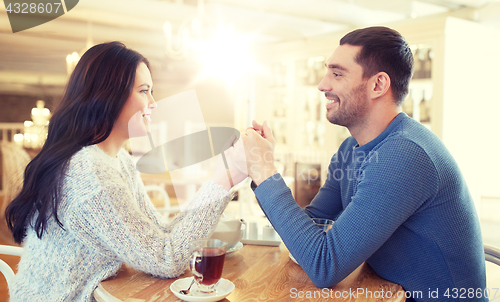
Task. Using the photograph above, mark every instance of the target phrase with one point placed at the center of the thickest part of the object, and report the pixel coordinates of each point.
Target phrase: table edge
(102, 295)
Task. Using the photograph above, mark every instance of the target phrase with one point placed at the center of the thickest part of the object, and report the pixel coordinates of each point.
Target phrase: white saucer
(224, 288)
(291, 257)
(234, 248)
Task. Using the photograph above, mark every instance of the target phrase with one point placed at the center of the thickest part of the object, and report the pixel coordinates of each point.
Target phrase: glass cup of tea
(323, 223)
(207, 262)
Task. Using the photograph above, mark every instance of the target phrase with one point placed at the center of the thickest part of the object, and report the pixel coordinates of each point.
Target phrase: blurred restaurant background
(263, 60)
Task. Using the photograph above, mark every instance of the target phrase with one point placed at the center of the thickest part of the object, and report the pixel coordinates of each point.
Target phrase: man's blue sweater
(399, 203)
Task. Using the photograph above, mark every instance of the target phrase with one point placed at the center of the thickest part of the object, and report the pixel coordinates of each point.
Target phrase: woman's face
(137, 110)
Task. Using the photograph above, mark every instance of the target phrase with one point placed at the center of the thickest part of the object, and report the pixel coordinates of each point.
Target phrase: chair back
(5, 269)
(14, 160)
(492, 254)
(154, 191)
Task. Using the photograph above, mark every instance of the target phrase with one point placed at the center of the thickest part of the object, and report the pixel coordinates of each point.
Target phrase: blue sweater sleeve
(388, 192)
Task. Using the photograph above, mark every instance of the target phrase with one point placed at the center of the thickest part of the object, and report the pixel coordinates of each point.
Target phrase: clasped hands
(250, 156)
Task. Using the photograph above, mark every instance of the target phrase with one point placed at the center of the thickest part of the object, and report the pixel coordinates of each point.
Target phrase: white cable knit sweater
(109, 220)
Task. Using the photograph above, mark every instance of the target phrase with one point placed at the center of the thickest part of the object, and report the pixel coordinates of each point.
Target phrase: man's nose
(324, 85)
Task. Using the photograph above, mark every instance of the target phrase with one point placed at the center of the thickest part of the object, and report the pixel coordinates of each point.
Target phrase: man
(396, 194)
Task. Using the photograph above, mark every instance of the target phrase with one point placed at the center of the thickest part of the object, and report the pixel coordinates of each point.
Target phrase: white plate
(234, 248)
(261, 241)
(224, 288)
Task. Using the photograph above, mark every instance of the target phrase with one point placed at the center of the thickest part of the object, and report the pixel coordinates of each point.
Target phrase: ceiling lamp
(73, 58)
(194, 29)
(421, 9)
(35, 131)
(71, 61)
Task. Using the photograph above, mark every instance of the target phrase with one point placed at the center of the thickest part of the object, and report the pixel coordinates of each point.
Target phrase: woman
(83, 210)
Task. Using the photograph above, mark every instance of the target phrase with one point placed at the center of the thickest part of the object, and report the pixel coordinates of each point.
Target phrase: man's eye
(336, 74)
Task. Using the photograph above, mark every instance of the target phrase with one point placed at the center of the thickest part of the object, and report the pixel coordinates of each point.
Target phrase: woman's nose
(152, 103)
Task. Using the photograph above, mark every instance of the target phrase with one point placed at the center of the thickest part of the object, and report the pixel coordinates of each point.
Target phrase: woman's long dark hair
(96, 92)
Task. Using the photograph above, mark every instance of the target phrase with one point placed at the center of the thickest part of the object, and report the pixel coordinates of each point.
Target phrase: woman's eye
(144, 91)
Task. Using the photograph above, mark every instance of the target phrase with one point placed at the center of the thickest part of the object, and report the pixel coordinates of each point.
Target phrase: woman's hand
(231, 166)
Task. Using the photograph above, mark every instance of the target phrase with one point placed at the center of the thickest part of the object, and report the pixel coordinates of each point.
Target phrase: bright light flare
(226, 55)
(19, 137)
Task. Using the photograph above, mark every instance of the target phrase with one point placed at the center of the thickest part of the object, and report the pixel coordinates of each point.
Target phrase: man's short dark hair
(383, 49)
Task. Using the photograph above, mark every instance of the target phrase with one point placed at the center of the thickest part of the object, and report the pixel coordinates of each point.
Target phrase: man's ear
(381, 83)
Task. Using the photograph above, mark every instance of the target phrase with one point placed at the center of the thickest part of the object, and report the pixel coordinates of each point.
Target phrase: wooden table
(259, 273)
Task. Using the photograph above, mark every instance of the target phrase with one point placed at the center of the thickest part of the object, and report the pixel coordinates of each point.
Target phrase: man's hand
(259, 145)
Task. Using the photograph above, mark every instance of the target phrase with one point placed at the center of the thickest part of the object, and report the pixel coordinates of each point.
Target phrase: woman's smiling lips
(147, 116)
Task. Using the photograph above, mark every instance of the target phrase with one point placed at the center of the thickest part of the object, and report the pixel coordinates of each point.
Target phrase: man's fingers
(256, 125)
(250, 132)
(268, 133)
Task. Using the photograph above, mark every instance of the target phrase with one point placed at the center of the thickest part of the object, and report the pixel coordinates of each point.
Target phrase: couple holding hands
(83, 211)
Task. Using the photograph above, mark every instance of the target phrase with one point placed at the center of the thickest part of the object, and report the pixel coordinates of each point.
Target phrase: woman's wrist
(222, 179)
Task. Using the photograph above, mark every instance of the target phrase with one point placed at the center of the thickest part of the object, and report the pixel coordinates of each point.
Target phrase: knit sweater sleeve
(114, 224)
(390, 191)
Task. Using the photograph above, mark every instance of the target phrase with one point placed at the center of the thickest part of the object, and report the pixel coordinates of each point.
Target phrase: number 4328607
(470, 293)
(33, 8)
